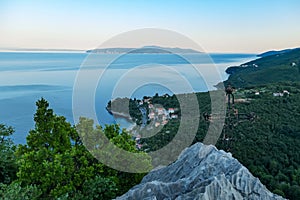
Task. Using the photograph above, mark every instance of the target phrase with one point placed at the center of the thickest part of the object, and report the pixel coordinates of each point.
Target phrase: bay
(25, 77)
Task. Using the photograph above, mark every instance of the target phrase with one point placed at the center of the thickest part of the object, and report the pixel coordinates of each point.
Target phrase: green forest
(269, 145)
(274, 68)
(54, 163)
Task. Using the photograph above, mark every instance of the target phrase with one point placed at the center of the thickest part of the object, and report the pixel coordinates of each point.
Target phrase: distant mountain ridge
(143, 50)
(272, 67)
(274, 52)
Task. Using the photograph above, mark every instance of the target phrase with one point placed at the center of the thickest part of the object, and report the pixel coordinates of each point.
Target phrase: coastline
(217, 86)
(122, 116)
(119, 114)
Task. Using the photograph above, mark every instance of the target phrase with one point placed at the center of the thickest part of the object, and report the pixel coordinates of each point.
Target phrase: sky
(246, 26)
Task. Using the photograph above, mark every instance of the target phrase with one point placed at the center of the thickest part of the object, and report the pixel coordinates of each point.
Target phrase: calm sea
(25, 77)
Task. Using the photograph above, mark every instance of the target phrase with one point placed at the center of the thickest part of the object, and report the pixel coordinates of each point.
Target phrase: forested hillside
(269, 145)
(284, 66)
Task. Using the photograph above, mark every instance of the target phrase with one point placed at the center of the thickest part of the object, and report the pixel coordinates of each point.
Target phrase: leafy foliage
(14, 191)
(56, 162)
(8, 166)
(270, 69)
(120, 139)
(96, 188)
(49, 159)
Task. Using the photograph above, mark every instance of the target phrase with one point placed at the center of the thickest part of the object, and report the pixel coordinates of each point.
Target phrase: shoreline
(119, 114)
(217, 86)
(125, 117)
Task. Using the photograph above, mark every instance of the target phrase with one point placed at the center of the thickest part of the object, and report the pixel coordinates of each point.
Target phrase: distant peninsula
(271, 67)
(143, 50)
(275, 52)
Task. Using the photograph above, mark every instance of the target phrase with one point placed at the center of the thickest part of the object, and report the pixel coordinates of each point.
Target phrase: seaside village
(158, 116)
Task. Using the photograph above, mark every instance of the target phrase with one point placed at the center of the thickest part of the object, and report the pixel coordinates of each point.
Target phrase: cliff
(201, 172)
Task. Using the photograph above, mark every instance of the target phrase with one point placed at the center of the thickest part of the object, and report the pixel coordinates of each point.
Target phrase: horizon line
(54, 50)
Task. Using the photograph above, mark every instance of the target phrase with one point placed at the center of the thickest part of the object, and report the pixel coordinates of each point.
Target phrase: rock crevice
(201, 172)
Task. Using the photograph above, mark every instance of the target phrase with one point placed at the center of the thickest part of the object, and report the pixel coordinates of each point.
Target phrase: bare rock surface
(201, 172)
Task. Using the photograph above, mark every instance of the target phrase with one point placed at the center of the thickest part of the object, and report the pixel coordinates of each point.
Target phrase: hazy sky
(217, 26)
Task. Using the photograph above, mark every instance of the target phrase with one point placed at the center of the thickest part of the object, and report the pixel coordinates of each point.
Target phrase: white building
(278, 94)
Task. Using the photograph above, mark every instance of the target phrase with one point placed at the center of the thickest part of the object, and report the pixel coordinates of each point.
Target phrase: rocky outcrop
(201, 172)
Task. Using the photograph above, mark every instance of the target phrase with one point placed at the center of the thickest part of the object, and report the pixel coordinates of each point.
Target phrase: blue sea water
(25, 77)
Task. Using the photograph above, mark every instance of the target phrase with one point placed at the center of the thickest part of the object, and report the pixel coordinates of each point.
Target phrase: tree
(8, 166)
(294, 192)
(54, 158)
(279, 192)
(57, 162)
(93, 139)
(97, 188)
(14, 191)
